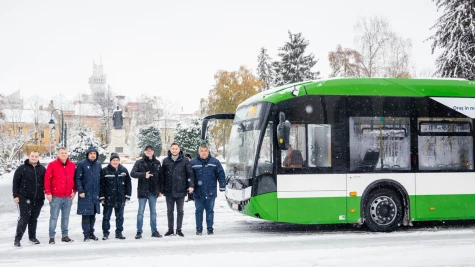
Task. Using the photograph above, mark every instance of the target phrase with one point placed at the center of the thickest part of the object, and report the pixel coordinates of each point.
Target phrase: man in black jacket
(147, 171)
(28, 194)
(176, 180)
(116, 189)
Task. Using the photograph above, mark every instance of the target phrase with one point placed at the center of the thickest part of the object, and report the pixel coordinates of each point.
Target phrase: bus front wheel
(383, 210)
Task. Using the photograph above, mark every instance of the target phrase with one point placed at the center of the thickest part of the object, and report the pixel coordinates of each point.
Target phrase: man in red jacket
(60, 192)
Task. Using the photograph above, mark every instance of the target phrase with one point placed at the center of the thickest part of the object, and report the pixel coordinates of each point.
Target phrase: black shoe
(87, 239)
(210, 232)
(67, 239)
(105, 237)
(34, 241)
(180, 233)
(139, 235)
(93, 237)
(17, 243)
(119, 236)
(156, 234)
(169, 232)
(51, 241)
(199, 232)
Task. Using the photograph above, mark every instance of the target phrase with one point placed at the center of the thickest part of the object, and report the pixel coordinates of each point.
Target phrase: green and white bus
(375, 151)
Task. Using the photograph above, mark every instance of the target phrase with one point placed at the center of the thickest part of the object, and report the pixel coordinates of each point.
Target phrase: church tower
(97, 81)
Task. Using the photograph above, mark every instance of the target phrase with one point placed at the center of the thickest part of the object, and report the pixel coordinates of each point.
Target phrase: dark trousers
(29, 212)
(201, 204)
(88, 222)
(180, 202)
(119, 219)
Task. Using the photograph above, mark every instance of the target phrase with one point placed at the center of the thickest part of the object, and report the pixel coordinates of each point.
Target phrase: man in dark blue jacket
(28, 194)
(116, 190)
(88, 182)
(208, 171)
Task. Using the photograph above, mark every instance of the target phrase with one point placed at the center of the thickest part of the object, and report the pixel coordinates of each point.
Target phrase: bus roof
(370, 87)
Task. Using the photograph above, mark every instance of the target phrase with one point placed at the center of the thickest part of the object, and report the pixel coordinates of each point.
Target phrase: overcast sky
(174, 48)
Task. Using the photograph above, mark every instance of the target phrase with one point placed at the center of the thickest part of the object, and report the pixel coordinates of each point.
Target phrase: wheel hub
(383, 210)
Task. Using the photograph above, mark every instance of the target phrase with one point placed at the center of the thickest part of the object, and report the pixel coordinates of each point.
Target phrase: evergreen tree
(265, 72)
(82, 140)
(294, 66)
(150, 136)
(188, 136)
(455, 36)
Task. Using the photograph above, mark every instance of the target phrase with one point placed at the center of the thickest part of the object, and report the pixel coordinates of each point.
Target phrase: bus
(376, 151)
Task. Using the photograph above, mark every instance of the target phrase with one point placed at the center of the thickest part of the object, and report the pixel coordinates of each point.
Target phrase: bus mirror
(283, 132)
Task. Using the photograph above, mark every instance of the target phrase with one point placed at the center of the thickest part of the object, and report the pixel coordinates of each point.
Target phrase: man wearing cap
(88, 177)
(147, 171)
(115, 191)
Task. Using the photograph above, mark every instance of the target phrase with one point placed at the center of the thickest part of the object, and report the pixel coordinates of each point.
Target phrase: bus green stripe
(328, 210)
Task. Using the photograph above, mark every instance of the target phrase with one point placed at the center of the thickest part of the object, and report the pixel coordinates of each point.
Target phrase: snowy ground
(238, 241)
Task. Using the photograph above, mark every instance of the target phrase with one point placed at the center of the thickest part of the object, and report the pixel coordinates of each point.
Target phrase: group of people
(175, 178)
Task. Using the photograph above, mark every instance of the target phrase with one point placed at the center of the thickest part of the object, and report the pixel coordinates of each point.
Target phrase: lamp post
(62, 138)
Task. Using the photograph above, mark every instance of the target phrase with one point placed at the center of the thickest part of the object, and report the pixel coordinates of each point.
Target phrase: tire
(383, 210)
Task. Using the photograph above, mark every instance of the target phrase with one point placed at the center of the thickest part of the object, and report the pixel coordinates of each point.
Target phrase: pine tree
(82, 140)
(188, 136)
(455, 36)
(150, 136)
(265, 72)
(294, 66)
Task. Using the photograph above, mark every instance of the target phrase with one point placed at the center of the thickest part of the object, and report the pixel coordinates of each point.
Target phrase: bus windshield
(243, 142)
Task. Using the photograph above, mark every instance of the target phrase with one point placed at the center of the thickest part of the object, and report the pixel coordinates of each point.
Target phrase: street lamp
(62, 136)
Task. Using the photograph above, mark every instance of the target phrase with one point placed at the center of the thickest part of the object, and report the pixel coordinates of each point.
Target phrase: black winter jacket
(176, 176)
(28, 181)
(150, 185)
(116, 186)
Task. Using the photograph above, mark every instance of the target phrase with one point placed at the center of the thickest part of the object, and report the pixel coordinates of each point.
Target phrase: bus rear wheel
(383, 210)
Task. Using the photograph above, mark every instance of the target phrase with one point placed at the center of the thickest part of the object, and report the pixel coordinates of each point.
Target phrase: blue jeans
(119, 219)
(152, 204)
(201, 204)
(62, 204)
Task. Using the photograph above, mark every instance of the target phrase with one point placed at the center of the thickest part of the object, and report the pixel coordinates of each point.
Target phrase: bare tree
(167, 112)
(379, 52)
(107, 103)
(397, 57)
(147, 110)
(15, 132)
(345, 62)
(373, 34)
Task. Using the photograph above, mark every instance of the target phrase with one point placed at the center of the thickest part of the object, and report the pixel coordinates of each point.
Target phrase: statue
(118, 119)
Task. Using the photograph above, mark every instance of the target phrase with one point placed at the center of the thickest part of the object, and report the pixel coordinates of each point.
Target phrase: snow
(238, 241)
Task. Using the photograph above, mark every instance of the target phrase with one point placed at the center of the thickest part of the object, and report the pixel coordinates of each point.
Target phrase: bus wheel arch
(382, 193)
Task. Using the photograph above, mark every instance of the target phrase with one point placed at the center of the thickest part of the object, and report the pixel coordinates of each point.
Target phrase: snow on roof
(26, 115)
(87, 109)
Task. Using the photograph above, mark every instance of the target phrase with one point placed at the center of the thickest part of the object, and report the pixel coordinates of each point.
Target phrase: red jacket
(59, 178)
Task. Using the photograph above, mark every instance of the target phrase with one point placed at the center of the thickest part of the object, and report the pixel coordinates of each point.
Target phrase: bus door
(307, 191)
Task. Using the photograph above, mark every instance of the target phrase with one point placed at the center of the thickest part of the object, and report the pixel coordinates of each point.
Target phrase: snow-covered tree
(188, 136)
(455, 36)
(81, 141)
(294, 66)
(149, 136)
(265, 73)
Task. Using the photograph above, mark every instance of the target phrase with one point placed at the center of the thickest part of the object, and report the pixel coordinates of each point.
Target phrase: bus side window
(295, 156)
(445, 144)
(319, 145)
